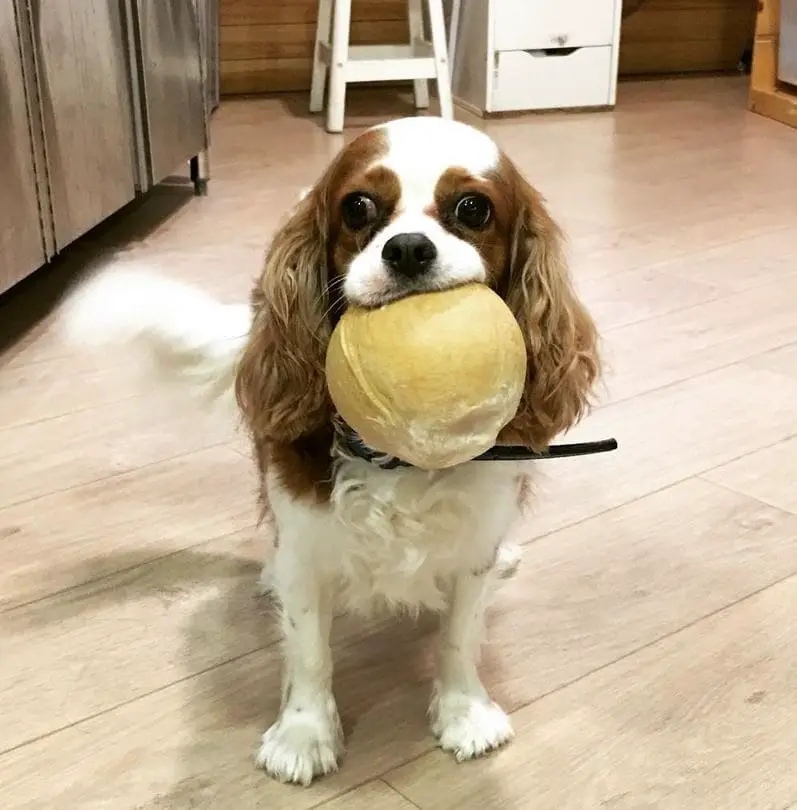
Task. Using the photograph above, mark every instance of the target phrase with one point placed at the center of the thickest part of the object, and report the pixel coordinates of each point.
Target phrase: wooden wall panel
(243, 42)
(683, 36)
(267, 45)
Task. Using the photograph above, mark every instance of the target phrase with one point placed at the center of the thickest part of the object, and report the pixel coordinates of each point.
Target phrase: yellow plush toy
(430, 379)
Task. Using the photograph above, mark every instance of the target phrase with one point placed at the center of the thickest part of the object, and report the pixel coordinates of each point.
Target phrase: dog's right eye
(473, 211)
(358, 210)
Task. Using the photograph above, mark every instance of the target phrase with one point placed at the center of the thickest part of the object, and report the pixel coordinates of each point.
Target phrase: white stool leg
(453, 33)
(337, 70)
(438, 25)
(415, 11)
(322, 29)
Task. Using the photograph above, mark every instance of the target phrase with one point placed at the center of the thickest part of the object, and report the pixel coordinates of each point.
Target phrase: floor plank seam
(111, 476)
(722, 296)
(658, 640)
(729, 488)
(737, 361)
(342, 795)
(401, 793)
(742, 361)
(763, 447)
(158, 558)
(149, 693)
(656, 491)
(43, 419)
(657, 265)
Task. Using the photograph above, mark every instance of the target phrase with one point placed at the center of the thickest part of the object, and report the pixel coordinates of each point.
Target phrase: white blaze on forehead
(420, 150)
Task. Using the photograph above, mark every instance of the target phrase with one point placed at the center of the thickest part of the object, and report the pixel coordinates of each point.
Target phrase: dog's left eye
(358, 210)
(473, 211)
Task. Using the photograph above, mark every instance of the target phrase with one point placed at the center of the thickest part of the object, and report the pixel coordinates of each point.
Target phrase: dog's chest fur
(395, 538)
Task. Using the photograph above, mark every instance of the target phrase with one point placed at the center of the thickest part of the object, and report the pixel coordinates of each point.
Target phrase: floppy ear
(561, 339)
(280, 384)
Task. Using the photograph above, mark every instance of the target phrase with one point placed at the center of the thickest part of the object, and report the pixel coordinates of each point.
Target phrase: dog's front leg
(306, 741)
(464, 719)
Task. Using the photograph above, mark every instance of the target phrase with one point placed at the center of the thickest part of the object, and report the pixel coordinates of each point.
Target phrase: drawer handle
(540, 52)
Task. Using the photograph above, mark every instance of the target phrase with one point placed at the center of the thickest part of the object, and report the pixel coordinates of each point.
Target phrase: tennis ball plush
(430, 379)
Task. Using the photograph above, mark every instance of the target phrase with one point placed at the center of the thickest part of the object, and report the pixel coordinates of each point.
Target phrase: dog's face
(418, 204)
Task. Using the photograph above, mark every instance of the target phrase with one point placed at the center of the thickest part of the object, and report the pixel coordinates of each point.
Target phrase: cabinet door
(83, 62)
(211, 24)
(787, 51)
(21, 240)
(171, 69)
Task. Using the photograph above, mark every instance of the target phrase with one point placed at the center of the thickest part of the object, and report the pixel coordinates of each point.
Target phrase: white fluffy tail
(182, 336)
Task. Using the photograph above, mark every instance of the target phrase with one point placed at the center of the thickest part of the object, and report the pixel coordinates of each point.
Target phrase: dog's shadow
(207, 722)
(383, 676)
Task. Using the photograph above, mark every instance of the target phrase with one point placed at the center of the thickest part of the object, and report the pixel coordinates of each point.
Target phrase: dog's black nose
(409, 254)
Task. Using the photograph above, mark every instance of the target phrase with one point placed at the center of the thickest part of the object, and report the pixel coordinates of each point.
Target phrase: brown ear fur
(280, 384)
(561, 338)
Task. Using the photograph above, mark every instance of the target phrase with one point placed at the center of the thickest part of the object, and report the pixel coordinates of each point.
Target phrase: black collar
(349, 444)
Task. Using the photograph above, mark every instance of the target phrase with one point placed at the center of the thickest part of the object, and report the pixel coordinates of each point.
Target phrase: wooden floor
(648, 647)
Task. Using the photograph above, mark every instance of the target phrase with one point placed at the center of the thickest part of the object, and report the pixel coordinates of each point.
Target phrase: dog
(410, 206)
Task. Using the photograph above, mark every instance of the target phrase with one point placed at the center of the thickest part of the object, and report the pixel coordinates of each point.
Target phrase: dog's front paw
(468, 725)
(303, 744)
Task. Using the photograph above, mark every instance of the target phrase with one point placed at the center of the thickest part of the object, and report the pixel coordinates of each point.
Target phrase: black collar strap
(350, 445)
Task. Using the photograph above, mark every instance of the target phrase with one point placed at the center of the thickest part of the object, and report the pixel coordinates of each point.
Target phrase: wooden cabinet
(768, 96)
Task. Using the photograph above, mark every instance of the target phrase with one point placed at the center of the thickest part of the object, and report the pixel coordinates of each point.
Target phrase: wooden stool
(420, 61)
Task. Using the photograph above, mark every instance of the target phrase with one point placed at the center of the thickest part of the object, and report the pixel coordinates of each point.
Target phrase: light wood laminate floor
(647, 649)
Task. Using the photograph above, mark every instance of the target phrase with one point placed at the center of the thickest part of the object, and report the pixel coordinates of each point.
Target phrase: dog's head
(415, 205)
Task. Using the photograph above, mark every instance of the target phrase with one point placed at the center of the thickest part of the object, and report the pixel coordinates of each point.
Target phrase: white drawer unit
(526, 55)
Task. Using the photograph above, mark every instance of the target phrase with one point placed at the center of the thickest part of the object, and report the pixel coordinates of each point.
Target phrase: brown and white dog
(416, 204)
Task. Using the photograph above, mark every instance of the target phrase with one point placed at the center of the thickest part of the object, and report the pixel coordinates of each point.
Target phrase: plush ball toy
(430, 379)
